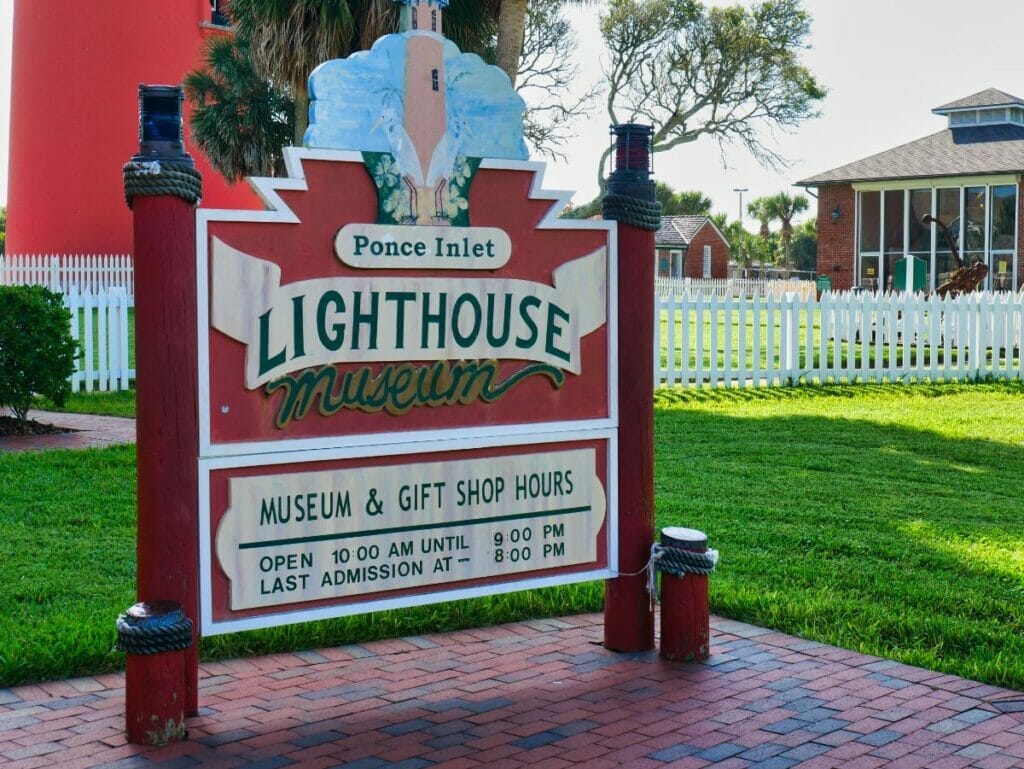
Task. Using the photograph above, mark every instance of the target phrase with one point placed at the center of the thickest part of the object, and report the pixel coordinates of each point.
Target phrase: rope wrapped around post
(161, 178)
(642, 214)
(155, 633)
(679, 562)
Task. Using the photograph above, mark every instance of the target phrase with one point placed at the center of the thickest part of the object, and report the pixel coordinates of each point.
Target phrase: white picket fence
(737, 287)
(99, 323)
(61, 272)
(844, 337)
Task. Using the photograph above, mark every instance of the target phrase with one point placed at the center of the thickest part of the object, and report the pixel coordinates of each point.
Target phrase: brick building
(967, 175)
(690, 247)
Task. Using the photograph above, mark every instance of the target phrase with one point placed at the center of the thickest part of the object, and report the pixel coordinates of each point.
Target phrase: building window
(435, 82)
(415, 18)
(869, 234)
(973, 249)
(947, 208)
(892, 232)
(982, 226)
(218, 13)
(919, 234)
(433, 20)
(1003, 228)
(707, 261)
(670, 264)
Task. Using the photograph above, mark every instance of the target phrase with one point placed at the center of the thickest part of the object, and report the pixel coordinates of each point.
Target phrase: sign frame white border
(436, 593)
(218, 456)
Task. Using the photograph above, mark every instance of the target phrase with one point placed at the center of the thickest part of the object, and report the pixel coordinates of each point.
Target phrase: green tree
(726, 72)
(759, 209)
(239, 121)
(804, 246)
(287, 39)
(784, 207)
(745, 248)
(687, 202)
(587, 210)
(3, 230)
(513, 20)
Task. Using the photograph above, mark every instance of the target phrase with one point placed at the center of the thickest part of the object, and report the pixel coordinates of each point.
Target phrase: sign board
(912, 267)
(406, 376)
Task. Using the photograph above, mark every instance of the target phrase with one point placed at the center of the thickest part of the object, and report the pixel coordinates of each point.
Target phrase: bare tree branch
(733, 73)
(546, 77)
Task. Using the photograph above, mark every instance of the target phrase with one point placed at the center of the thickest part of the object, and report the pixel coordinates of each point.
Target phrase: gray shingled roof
(678, 231)
(990, 97)
(967, 151)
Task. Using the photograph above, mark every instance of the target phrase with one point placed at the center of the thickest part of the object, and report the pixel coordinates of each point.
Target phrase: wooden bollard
(149, 633)
(685, 614)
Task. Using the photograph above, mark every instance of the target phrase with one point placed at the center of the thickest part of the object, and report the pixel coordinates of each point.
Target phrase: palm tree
(784, 207)
(692, 202)
(511, 28)
(288, 38)
(239, 122)
(758, 208)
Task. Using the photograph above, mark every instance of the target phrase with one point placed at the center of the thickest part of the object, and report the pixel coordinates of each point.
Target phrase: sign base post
(628, 607)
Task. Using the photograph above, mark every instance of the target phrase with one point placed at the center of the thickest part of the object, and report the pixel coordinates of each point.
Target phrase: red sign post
(630, 200)
(160, 632)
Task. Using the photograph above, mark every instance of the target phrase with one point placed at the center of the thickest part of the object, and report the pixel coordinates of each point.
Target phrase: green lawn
(876, 518)
(885, 519)
(112, 404)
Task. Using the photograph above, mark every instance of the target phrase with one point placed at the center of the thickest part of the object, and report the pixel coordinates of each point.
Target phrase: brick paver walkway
(540, 694)
(90, 432)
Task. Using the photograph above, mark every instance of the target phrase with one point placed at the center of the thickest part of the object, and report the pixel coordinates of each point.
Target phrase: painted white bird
(399, 142)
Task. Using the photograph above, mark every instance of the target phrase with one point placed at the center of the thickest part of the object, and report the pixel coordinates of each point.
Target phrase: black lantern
(634, 161)
(160, 124)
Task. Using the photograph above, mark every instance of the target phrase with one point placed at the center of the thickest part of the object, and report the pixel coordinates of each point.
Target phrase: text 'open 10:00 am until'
(351, 532)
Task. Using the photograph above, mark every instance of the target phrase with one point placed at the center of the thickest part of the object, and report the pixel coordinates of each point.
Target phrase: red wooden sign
(392, 413)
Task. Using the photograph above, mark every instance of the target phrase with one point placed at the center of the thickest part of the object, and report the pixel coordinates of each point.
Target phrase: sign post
(630, 200)
(162, 188)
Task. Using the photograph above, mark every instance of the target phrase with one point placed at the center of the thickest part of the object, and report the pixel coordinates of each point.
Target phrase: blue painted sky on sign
(356, 103)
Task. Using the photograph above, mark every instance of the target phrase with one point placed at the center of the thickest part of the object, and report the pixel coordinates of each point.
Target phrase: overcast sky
(886, 64)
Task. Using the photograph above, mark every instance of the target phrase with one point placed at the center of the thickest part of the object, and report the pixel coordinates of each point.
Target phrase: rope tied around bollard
(676, 562)
(679, 562)
(161, 177)
(143, 631)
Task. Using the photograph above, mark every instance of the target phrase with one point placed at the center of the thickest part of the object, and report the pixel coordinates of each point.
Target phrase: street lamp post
(740, 190)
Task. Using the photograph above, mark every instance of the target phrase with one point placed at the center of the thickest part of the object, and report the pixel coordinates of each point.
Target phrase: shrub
(37, 353)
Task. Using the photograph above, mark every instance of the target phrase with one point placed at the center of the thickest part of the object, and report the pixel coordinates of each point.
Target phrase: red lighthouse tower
(74, 115)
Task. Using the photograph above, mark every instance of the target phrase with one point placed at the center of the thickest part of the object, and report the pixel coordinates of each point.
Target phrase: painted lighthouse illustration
(422, 113)
(425, 115)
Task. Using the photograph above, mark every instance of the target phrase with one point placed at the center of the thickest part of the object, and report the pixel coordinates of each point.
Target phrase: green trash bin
(823, 283)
